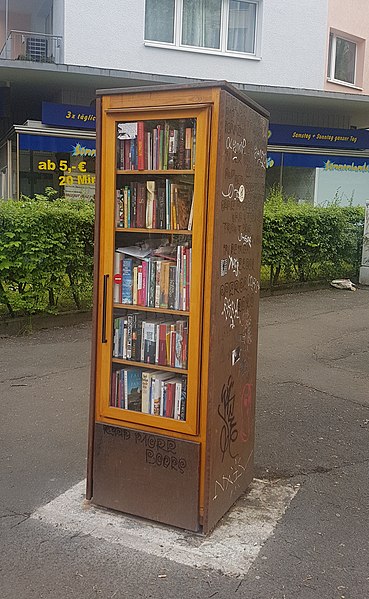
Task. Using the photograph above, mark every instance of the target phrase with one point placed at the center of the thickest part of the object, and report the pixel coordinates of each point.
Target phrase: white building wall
(293, 44)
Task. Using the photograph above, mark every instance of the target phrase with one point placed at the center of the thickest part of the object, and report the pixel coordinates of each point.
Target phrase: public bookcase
(181, 175)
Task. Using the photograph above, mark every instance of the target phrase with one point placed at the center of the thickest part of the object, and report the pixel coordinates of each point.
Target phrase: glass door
(152, 238)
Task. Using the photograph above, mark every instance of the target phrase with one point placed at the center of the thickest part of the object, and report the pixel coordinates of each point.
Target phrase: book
(129, 336)
(170, 394)
(194, 145)
(113, 392)
(172, 287)
(151, 283)
(141, 205)
(172, 148)
(181, 143)
(157, 283)
(184, 200)
(135, 285)
(144, 289)
(140, 146)
(132, 155)
(188, 147)
(148, 344)
(162, 344)
(173, 206)
(183, 402)
(178, 356)
(150, 204)
(123, 330)
(161, 207)
(136, 336)
(132, 389)
(177, 399)
(119, 209)
(157, 392)
(133, 196)
(146, 391)
(127, 281)
(166, 146)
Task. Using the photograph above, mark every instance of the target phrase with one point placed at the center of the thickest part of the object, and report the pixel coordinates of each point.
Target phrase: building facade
(306, 62)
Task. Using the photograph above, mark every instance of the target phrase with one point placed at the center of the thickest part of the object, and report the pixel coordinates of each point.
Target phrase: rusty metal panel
(239, 196)
(148, 475)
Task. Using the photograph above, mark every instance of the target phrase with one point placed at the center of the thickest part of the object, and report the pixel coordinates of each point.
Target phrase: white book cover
(125, 326)
(156, 398)
(157, 344)
(177, 401)
(146, 388)
(143, 341)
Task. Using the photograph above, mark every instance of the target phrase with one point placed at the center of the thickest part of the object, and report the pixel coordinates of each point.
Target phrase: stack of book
(159, 204)
(164, 145)
(157, 393)
(155, 281)
(162, 342)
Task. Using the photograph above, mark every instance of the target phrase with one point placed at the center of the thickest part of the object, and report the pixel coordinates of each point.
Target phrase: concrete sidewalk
(312, 431)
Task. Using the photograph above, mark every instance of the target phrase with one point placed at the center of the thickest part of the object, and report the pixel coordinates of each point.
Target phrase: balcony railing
(36, 47)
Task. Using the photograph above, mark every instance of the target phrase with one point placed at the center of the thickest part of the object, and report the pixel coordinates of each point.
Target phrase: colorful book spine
(188, 148)
(140, 146)
(127, 281)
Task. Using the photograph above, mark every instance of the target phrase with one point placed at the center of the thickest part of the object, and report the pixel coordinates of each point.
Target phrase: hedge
(46, 249)
(302, 242)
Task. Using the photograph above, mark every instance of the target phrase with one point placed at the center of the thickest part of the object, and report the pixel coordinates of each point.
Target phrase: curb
(25, 325)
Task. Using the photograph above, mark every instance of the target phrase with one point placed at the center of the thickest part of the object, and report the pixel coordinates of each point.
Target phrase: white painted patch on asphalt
(231, 548)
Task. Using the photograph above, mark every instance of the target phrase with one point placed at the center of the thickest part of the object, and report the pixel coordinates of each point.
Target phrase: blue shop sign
(318, 137)
(70, 145)
(68, 115)
(324, 161)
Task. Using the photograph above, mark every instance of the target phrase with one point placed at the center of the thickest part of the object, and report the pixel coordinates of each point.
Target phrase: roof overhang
(294, 103)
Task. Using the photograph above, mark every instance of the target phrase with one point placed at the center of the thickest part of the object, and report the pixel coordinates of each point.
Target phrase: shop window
(222, 26)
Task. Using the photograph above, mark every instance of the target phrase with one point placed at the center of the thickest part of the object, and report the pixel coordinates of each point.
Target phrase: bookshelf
(178, 239)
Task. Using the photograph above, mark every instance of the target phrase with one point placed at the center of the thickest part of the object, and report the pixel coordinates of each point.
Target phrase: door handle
(105, 293)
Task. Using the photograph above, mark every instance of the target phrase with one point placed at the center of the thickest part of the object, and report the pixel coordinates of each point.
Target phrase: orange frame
(105, 412)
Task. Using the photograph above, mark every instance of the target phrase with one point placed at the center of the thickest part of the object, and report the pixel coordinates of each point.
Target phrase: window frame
(224, 22)
(332, 58)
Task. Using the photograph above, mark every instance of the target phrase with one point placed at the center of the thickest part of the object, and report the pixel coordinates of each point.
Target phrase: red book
(172, 346)
(162, 358)
(185, 344)
(154, 214)
(140, 146)
(158, 128)
(144, 283)
(188, 277)
(169, 407)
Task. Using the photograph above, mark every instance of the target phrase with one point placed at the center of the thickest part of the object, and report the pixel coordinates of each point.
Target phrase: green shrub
(304, 242)
(44, 248)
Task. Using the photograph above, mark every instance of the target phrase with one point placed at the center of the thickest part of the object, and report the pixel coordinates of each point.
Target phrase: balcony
(34, 47)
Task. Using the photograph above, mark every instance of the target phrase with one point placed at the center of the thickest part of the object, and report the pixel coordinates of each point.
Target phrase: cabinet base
(148, 475)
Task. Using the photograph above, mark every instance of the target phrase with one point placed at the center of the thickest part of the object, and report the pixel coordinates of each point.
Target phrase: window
(227, 26)
(159, 20)
(342, 59)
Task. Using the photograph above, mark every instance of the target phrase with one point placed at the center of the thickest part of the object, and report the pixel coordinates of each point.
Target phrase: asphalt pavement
(312, 431)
